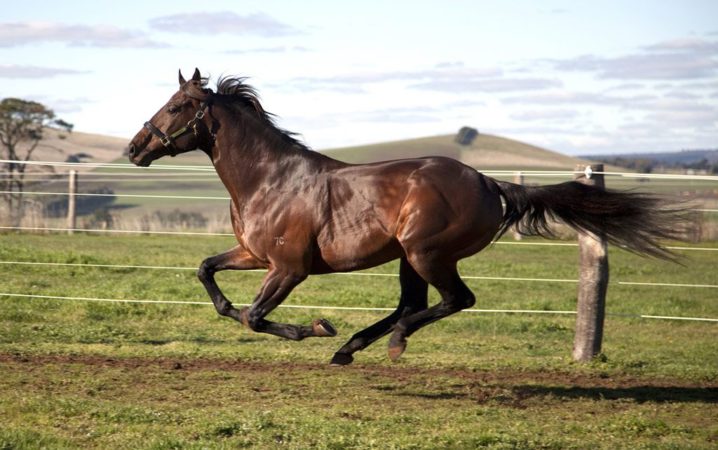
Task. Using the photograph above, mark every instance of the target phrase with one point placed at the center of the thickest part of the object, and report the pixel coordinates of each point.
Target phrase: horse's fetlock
(469, 300)
(253, 321)
(224, 308)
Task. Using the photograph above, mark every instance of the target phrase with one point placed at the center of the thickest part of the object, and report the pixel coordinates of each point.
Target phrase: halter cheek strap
(168, 140)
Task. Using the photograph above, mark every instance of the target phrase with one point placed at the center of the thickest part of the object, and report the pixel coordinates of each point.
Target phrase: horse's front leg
(235, 259)
(276, 287)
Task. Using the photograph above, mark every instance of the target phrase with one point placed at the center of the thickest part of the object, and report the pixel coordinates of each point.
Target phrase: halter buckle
(165, 141)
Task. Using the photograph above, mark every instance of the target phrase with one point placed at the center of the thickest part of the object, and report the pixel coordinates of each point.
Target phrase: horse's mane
(238, 94)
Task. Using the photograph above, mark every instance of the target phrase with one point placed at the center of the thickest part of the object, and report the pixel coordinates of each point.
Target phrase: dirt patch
(563, 384)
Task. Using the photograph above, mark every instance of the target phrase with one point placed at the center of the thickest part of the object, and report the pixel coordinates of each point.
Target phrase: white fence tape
(349, 308)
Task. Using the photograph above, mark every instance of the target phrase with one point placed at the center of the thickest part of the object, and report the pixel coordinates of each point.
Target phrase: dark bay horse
(296, 212)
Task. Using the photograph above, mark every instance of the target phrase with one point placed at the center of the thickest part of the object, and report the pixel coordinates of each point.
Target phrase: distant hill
(682, 157)
(704, 160)
(484, 153)
(78, 147)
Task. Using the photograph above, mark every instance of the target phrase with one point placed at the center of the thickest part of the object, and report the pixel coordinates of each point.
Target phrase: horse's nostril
(132, 150)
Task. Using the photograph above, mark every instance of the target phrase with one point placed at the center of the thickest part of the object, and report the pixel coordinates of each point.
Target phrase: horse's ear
(182, 81)
(196, 76)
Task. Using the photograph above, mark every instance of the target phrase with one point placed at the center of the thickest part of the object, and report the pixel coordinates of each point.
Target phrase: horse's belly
(355, 254)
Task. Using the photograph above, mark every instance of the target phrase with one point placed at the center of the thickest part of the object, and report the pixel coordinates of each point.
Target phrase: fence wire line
(353, 308)
(201, 233)
(101, 165)
(488, 172)
(85, 230)
(59, 176)
(188, 197)
(91, 194)
(365, 274)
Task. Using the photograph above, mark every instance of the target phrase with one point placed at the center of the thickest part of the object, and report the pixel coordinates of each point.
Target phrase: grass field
(92, 374)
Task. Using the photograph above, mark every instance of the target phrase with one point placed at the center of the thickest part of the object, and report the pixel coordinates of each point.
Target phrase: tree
(22, 123)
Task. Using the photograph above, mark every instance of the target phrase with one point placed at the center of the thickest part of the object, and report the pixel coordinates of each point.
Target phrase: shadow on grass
(641, 394)
(516, 395)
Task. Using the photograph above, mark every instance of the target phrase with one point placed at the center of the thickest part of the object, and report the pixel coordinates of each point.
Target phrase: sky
(578, 77)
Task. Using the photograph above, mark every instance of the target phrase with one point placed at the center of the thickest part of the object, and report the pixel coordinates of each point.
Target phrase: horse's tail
(635, 221)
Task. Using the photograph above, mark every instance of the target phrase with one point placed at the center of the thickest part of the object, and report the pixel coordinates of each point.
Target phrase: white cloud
(452, 78)
(24, 71)
(491, 85)
(228, 22)
(680, 59)
(25, 33)
(278, 49)
(545, 114)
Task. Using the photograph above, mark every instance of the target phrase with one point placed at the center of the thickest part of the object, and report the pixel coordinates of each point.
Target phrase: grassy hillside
(59, 146)
(487, 152)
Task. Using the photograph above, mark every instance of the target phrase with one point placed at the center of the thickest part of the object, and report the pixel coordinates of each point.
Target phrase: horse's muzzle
(135, 157)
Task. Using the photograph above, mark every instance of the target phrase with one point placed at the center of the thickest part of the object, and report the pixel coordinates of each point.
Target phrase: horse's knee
(205, 271)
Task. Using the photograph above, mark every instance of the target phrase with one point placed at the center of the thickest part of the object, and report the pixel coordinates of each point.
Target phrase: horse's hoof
(396, 350)
(323, 328)
(341, 359)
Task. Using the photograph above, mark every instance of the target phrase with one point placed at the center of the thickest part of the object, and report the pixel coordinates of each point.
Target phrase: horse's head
(178, 126)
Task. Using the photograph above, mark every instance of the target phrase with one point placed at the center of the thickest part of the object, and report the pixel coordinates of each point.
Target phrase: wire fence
(352, 308)
(364, 274)
(209, 168)
(203, 173)
(202, 233)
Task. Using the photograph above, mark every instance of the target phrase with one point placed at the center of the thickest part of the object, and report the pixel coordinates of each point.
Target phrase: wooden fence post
(72, 202)
(518, 179)
(593, 280)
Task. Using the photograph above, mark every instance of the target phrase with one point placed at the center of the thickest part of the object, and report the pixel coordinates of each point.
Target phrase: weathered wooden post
(71, 202)
(593, 279)
(518, 179)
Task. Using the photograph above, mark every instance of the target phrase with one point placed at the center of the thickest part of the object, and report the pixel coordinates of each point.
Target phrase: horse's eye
(172, 109)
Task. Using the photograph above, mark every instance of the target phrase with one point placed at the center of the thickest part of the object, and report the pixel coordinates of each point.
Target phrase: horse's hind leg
(455, 296)
(414, 291)
(235, 259)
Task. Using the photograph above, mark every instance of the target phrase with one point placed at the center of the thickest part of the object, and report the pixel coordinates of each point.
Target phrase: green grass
(106, 375)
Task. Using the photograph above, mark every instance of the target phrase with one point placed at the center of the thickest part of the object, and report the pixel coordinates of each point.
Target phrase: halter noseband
(168, 140)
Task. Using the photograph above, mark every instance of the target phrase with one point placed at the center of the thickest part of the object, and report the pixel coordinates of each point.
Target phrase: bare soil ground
(477, 386)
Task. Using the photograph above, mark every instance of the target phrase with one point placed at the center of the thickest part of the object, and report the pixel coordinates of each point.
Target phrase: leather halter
(168, 140)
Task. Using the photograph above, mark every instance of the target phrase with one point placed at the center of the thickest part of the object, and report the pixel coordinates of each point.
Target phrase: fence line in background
(61, 175)
(200, 233)
(91, 194)
(177, 233)
(350, 308)
(208, 168)
(188, 197)
(365, 274)
(99, 165)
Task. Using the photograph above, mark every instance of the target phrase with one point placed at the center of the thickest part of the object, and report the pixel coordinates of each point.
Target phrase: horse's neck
(248, 159)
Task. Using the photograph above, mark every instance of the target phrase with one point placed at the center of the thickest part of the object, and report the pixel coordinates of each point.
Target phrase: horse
(296, 212)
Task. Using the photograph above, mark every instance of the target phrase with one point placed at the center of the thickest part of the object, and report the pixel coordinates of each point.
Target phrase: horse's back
(375, 212)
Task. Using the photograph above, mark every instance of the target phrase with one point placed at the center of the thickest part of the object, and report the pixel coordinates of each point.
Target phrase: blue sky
(578, 77)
